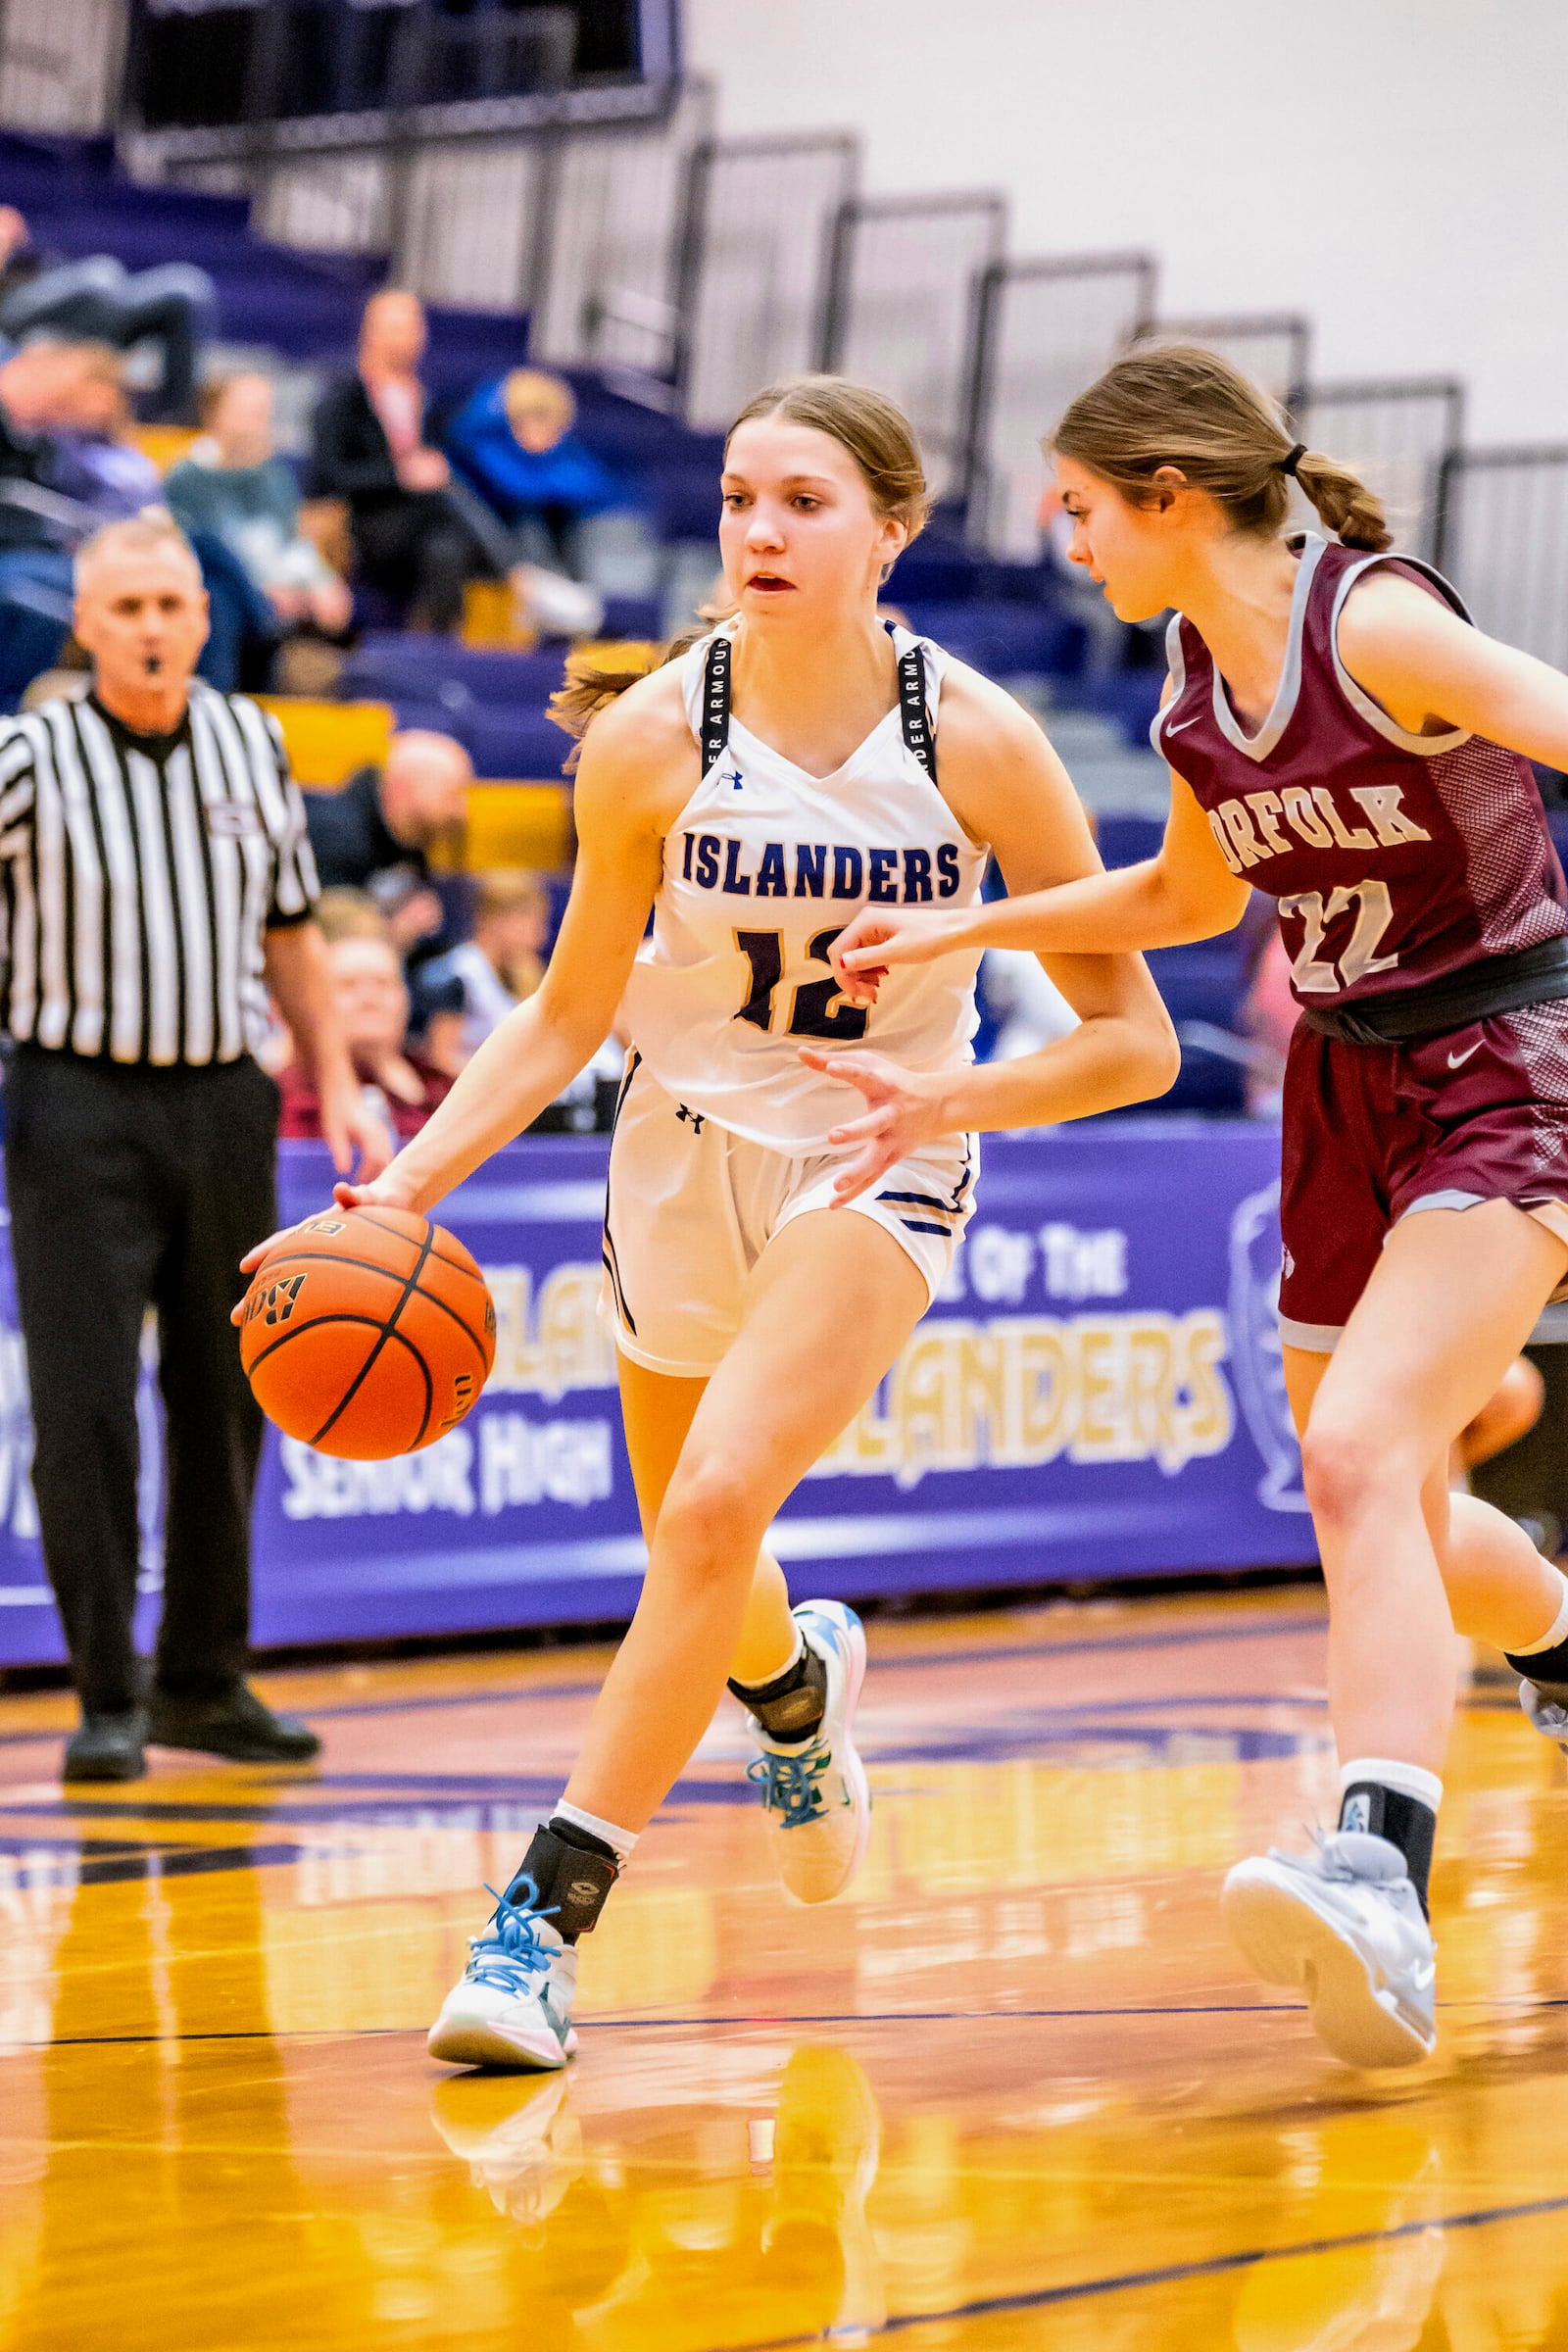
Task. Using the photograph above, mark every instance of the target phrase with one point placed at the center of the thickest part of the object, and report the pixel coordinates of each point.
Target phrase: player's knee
(1346, 1469)
(709, 1520)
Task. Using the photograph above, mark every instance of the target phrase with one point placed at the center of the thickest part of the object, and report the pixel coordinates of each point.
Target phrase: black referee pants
(132, 1187)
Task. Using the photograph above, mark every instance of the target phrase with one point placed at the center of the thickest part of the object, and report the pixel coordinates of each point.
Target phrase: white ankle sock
(1412, 1779)
(621, 1842)
(1556, 1631)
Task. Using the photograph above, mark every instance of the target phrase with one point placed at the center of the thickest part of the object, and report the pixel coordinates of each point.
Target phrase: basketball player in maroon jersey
(1339, 736)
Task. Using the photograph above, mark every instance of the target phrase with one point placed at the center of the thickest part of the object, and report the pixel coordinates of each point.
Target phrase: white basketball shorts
(691, 1207)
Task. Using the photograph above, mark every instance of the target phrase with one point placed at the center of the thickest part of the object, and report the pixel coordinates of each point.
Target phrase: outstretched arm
(1186, 892)
(1007, 784)
(539, 1049)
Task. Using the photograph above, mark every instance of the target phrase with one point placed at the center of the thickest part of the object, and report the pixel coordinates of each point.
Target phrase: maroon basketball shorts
(1377, 1133)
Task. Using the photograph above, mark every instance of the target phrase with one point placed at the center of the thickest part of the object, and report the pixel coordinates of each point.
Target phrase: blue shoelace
(790, 1784)
(512, 1951)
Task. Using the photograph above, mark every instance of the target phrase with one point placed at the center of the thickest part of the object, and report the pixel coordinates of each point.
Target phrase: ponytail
(1343, 503)
(1187, 408)
(590, 688)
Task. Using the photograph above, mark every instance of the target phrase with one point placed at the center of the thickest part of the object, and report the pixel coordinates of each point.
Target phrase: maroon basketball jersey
(1395, 858)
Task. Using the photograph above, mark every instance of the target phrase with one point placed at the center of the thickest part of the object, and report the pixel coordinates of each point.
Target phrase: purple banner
(1097, 1394)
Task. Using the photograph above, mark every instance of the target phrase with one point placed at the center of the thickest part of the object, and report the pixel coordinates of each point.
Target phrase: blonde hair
(140, 534)
(502, 890)
(875, 433)
(1187, 408)
(536, 388)
(344, 914)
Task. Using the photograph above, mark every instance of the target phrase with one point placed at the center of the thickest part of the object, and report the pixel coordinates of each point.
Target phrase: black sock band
(1404, 1821)
(1548, 1669)
(791, 1707)
(568, 1873)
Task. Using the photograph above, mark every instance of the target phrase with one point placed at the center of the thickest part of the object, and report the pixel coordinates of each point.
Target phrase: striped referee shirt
(140, 876)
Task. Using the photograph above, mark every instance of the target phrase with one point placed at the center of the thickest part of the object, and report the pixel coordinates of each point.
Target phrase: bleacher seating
(1008, 618)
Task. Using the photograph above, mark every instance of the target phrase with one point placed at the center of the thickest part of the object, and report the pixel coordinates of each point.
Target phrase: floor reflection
(1013, 2092)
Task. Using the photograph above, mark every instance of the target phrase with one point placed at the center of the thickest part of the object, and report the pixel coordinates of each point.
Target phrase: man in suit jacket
(416, 536)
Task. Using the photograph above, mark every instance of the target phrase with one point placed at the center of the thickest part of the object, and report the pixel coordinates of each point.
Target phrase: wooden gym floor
(1012, 2092)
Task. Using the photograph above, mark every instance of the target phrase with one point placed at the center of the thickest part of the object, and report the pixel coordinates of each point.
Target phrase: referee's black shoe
(105, 1747)
(232, 1723)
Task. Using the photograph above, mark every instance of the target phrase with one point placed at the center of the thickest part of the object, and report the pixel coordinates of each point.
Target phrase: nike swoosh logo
(1185, 722)
(1455, 1059)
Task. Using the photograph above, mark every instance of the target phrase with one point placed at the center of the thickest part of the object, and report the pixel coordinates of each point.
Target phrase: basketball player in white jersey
(803, 761)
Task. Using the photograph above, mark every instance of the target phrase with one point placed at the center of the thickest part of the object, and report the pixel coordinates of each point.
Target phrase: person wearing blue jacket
(512, 443)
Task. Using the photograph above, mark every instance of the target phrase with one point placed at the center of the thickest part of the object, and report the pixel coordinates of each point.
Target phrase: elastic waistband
(1496, 984)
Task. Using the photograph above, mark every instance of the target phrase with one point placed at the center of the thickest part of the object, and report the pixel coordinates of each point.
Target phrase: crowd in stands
(400, 504)
(412, 488)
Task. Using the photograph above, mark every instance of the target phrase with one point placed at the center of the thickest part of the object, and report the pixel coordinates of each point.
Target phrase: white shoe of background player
(1549, 1715)
(1346, 1924)
(814, 1790)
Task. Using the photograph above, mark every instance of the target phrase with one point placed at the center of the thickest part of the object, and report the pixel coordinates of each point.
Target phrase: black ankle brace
(566, 1874)
(791, 1707)
(1548, 1669)
(1404, 1821)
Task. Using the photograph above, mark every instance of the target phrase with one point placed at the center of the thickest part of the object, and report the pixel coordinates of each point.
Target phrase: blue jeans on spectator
(99, 301)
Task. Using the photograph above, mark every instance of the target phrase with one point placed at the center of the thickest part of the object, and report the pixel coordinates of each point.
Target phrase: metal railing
(606, 296)
(1396, 434)
(60, 63)
(1502, 538)
(1274, 349)
(337, 203)
(904, 312)
(1047, 330)
(754, 244)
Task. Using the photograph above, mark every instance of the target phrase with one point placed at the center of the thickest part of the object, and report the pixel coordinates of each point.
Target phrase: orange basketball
(367, 1332)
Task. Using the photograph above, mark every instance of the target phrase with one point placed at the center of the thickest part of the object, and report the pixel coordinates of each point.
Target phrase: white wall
(1395, 168)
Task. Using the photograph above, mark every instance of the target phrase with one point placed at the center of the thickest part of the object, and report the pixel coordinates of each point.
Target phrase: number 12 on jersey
(818, 1008)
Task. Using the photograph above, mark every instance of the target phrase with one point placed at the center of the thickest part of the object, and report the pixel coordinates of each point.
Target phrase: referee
(155, 882)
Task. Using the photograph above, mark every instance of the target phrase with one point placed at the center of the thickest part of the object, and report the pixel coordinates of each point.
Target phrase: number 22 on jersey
(1374, 912)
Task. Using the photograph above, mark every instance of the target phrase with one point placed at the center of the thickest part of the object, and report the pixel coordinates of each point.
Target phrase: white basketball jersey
(763, 867)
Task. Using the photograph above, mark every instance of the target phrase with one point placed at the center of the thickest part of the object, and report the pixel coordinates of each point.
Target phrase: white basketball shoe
(1346, 1924)
(511, 2006)
(1549, 1715)
(814, 1790)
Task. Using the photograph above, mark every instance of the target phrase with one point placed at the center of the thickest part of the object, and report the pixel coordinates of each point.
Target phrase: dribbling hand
(875, 939)
(903, 1115)
(388, 1189)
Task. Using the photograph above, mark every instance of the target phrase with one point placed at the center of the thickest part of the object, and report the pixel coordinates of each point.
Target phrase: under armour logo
(696, 1118)
(735, 777)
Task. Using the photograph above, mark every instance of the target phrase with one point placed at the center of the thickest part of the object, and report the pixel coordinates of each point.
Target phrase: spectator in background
(98, 300)
(500, 966)
(413, 540)
(514, 442)
(45, 390)
(376, 833)
(99, 463)
(63, 477)
(234, 486)
(400, 1087)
